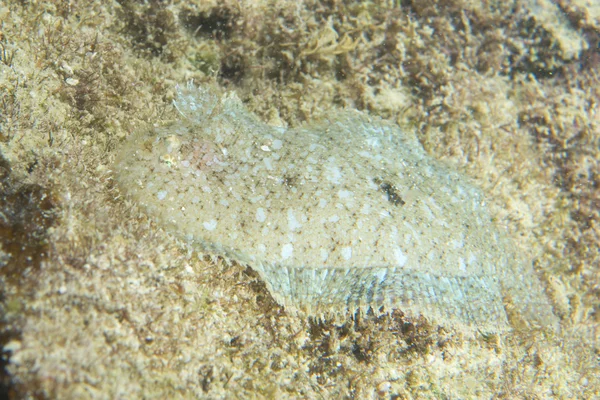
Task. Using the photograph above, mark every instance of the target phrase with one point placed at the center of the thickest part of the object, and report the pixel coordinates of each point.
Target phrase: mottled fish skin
(346, 213)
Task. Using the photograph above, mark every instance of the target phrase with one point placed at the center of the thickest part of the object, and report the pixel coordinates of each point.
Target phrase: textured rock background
(98, 302)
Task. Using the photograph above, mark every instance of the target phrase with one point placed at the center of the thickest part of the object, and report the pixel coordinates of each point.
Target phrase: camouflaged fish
(346, 213)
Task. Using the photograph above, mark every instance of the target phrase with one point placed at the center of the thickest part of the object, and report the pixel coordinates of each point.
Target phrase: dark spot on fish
(390, 191)
(289, 181)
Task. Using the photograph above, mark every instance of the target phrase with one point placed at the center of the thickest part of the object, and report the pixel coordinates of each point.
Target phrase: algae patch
(346, 213)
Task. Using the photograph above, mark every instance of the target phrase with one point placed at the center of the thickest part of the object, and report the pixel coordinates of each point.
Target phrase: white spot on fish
(334, 175)
(293, 223)
(324, 255)
(260, 215)
(461, 265)
(268, 163)
(286, 251)
(400, 257)
(347, 253)
(277, 144)
(344, 194)
(210, 225)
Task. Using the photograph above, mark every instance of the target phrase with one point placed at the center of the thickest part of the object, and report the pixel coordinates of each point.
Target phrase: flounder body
(346, 213)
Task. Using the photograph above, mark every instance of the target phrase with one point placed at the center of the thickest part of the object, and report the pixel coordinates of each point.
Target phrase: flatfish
(342, 214)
